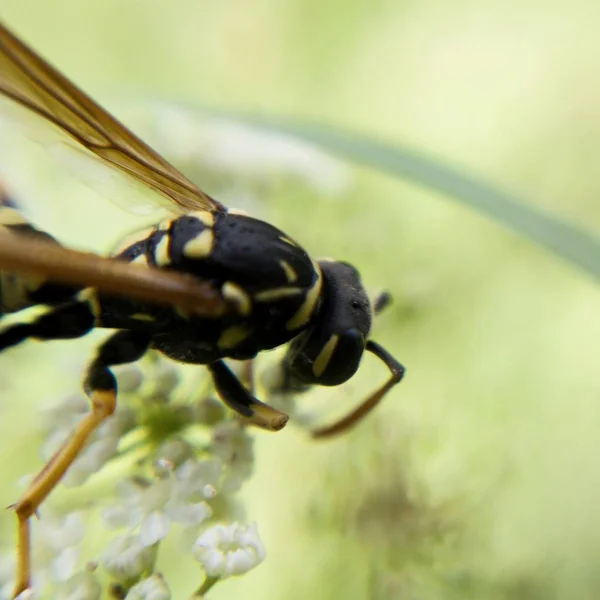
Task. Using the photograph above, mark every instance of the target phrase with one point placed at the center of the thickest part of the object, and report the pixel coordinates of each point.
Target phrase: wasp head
(329, 351)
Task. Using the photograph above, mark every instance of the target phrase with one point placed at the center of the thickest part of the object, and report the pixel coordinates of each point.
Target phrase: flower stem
(208, 583)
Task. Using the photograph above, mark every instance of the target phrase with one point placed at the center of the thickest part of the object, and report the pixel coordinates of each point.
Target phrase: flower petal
(189, 514)
(239, 561)
(63, 566)
(154, 527)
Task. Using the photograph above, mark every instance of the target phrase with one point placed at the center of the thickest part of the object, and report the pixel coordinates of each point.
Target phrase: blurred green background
(479, 477)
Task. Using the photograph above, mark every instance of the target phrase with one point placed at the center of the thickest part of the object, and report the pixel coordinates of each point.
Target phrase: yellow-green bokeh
(479, 477)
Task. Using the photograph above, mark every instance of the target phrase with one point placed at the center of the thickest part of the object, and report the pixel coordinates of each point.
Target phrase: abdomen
(17, 290)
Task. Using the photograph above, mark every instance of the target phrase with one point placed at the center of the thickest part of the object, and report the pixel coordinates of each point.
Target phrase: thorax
(267, 277)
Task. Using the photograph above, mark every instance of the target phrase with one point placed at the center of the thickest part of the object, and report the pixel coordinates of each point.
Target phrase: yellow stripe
(305, 311)
(141, 260)
(238, 296)
(290, 274)
(287, 240)
(277, 294)
(325, 355)
(232, 336)
(240, 212)
(90, 296)
(142, 317)
(161, 252)
(204, 217)
(199, 246)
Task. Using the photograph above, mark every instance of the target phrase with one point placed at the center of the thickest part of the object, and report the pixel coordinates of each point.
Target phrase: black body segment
(68, 321)
(121, 348)
(272, 281)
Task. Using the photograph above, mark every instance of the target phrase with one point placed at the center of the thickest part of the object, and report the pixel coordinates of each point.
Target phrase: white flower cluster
(178, 496)
(191, 458)
(225, 550)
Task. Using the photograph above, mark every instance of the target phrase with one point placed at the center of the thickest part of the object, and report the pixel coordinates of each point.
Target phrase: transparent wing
(32, 83)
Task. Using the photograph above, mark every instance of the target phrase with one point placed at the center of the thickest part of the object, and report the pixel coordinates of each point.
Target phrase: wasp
(205, 284)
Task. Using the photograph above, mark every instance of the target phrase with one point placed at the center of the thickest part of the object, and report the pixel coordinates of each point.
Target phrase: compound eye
(339, 357)
(320, 360)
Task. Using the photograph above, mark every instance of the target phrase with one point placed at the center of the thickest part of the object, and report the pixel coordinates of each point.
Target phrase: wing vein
(31, 82)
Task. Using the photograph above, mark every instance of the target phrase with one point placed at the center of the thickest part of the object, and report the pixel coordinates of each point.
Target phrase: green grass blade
(573, 244)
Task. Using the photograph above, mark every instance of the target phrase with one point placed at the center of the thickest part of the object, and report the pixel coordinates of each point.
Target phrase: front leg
(239, 399)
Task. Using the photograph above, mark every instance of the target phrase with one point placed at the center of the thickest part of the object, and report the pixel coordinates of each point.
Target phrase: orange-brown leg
(103, 405)
(101, 387)
(239, 399)
(397, 372)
